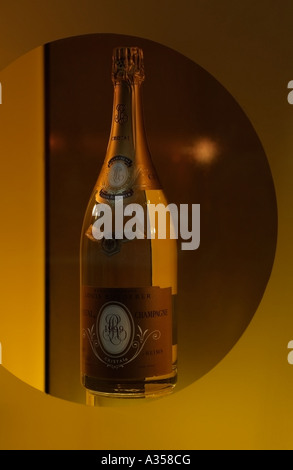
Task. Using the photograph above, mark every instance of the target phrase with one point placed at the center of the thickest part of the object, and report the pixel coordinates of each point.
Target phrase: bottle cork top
(127, 63)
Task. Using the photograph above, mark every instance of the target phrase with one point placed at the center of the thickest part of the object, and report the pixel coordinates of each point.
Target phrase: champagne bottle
(128, 283)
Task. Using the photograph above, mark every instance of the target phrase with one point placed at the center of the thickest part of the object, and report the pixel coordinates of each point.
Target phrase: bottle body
(128, 275)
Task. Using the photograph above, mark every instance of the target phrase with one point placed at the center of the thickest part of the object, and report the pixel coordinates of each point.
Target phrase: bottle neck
(127, 135)
(128, 166)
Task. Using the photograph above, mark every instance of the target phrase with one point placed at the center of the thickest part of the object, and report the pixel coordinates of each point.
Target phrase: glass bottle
(128, 275)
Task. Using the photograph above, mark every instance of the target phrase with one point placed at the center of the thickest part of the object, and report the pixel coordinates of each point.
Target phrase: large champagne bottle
(128, 274)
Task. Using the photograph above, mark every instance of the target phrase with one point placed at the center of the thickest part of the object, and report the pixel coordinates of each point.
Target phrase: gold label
(126, 333)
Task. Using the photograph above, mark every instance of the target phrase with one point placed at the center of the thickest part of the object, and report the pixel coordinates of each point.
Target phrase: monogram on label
(121, 116)
(118, 175)
(113, 336)
(115, 328)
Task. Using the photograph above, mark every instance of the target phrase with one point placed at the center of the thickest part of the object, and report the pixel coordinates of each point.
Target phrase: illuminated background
(245, 400)
(205, 152)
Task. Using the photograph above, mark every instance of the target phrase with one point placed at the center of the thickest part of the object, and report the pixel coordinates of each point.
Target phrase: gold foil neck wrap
(127, 64)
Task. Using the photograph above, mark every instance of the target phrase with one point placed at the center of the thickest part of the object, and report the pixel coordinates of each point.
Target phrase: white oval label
(115, 329)
(118, 174)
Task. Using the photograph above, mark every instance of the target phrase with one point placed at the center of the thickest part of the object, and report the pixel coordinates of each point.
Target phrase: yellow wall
(22, 218)
(246, 401)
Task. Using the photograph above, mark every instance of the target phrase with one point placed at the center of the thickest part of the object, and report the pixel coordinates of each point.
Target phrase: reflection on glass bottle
(128, 285)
